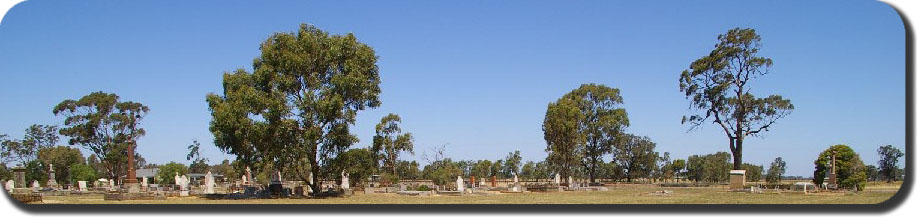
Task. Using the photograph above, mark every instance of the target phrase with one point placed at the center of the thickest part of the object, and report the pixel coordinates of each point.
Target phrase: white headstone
(482, 183)
(208, 183)
(570, 180)
(10, 185)
(459, 183)
(144, 183)
(35, 184)
(515, 178)
(177, 180)
(111, 184)
(184, 183)
(345, 181)
(557, 178)
(82, 185)
(244, 180)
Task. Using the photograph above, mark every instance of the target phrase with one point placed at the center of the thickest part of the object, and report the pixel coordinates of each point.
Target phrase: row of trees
(38, 152)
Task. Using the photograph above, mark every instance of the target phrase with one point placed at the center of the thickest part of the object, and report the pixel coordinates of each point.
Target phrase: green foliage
(358, 164)
(167, 172)
(496, 169)
(5, 173)
(93, 161)
(544, 170)
(775, 171)
(850, 169)
(528, 170)
(389, 142)
(225, 168)
(511, 164)
(408, 169)
(423, 188)
(752, 172)
(709, 168)
(717, 86)
(583, 126)
(198, 163)
(104, 125)
(481, 168)
(637, 156)
(34, 170)
(26, 150)
(888, 161)
(872, 173)
(82, 172)
(61, 157)
(296, 108)
(561, 133)
(678, 166)
(442, 172)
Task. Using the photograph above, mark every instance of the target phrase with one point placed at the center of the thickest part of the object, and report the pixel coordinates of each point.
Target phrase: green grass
(618, 194)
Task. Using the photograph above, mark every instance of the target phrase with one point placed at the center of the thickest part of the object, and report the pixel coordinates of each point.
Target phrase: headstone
(19, 177)
(557, 178)
(482, 183)
(248, 175)
(178, 180)
(570, 181)
(82, 185)
(208, 183)
(244, 180)
(459, 184)
(111, 185)
(515, 182)
(736, 179)
(145, 182)
(345, 181)
(52, 181)
(10, 185)
(184, 183)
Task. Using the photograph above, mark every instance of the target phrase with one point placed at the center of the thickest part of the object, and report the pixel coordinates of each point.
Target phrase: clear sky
(475, 76)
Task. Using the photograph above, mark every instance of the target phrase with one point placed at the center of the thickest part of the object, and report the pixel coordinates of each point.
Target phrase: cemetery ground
(876, 192)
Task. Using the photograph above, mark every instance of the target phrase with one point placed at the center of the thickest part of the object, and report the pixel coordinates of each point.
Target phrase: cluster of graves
(247, 188)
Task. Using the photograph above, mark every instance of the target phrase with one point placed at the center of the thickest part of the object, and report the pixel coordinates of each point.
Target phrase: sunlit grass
(618, 194)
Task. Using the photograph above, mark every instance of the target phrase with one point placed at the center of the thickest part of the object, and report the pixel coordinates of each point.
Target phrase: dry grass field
(618, 194)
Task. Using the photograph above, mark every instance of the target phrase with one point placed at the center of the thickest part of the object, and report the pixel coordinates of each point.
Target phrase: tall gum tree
(389, 142)
(104, 125)
(299, 103)
(718, 87)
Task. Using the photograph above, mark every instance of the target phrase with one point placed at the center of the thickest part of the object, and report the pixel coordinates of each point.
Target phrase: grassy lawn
(618, 194)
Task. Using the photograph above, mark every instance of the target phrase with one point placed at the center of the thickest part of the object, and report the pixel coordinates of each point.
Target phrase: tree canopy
(389, 142)
(104, 125)
(596, 128)
(851, 171)
(775, 171)
(888, 161)
(718, 86)
(297, 107)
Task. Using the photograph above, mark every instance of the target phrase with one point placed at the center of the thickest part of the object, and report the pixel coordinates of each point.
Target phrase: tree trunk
(737, 155)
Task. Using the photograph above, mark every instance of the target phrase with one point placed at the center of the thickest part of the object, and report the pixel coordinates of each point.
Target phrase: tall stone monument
(52, 181)
(130, 182)
(557, 178)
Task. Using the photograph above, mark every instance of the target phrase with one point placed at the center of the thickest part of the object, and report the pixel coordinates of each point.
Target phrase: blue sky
(475, 76)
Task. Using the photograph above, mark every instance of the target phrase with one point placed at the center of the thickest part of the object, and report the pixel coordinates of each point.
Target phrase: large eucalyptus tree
(295, 110)
(718, 87)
